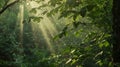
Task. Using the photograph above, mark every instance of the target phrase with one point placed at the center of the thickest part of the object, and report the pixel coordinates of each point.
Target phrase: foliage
(95, 22)
(84, 38)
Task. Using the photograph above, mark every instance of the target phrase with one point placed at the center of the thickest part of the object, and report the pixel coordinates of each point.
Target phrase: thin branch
(7, 6)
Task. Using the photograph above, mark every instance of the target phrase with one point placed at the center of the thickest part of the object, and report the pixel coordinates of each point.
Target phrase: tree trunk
(116, 31)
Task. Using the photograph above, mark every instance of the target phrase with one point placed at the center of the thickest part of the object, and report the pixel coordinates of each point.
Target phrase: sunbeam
(20, 23)
(50, 27)
(45, 27)
(46, 37)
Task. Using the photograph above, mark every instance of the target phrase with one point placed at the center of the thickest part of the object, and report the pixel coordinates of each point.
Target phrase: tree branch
(7, 6)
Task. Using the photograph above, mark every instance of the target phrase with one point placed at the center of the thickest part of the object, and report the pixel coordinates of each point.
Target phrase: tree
(116, 31)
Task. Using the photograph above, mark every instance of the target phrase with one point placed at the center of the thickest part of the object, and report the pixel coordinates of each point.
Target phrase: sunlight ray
(44, 32)
(20, 23)
(50, 27)
(36, 34)
(46, 27)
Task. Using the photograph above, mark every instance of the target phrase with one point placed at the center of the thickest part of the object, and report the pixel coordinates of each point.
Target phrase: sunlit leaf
(98, 54)
(68, 61)
(72, 51)
(99, 62)
(74, 61)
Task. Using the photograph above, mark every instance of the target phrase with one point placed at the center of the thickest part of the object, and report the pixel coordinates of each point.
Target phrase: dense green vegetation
(56, 33)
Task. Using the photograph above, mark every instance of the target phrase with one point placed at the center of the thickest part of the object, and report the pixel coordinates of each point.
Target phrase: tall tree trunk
(116, 31)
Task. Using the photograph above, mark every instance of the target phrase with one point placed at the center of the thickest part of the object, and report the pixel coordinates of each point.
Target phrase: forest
(59, 33)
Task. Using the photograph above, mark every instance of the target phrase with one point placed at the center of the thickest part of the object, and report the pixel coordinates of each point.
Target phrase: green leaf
(74, 61)
(99, 62)
(44, 12)
(98, 54)
(106, 43)
(72, 51)
(56, 37)
(68, 61)
(33, 10)
(36, 19)
(77, 34)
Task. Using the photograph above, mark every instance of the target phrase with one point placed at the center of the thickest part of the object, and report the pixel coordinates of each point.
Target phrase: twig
(7, 6)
